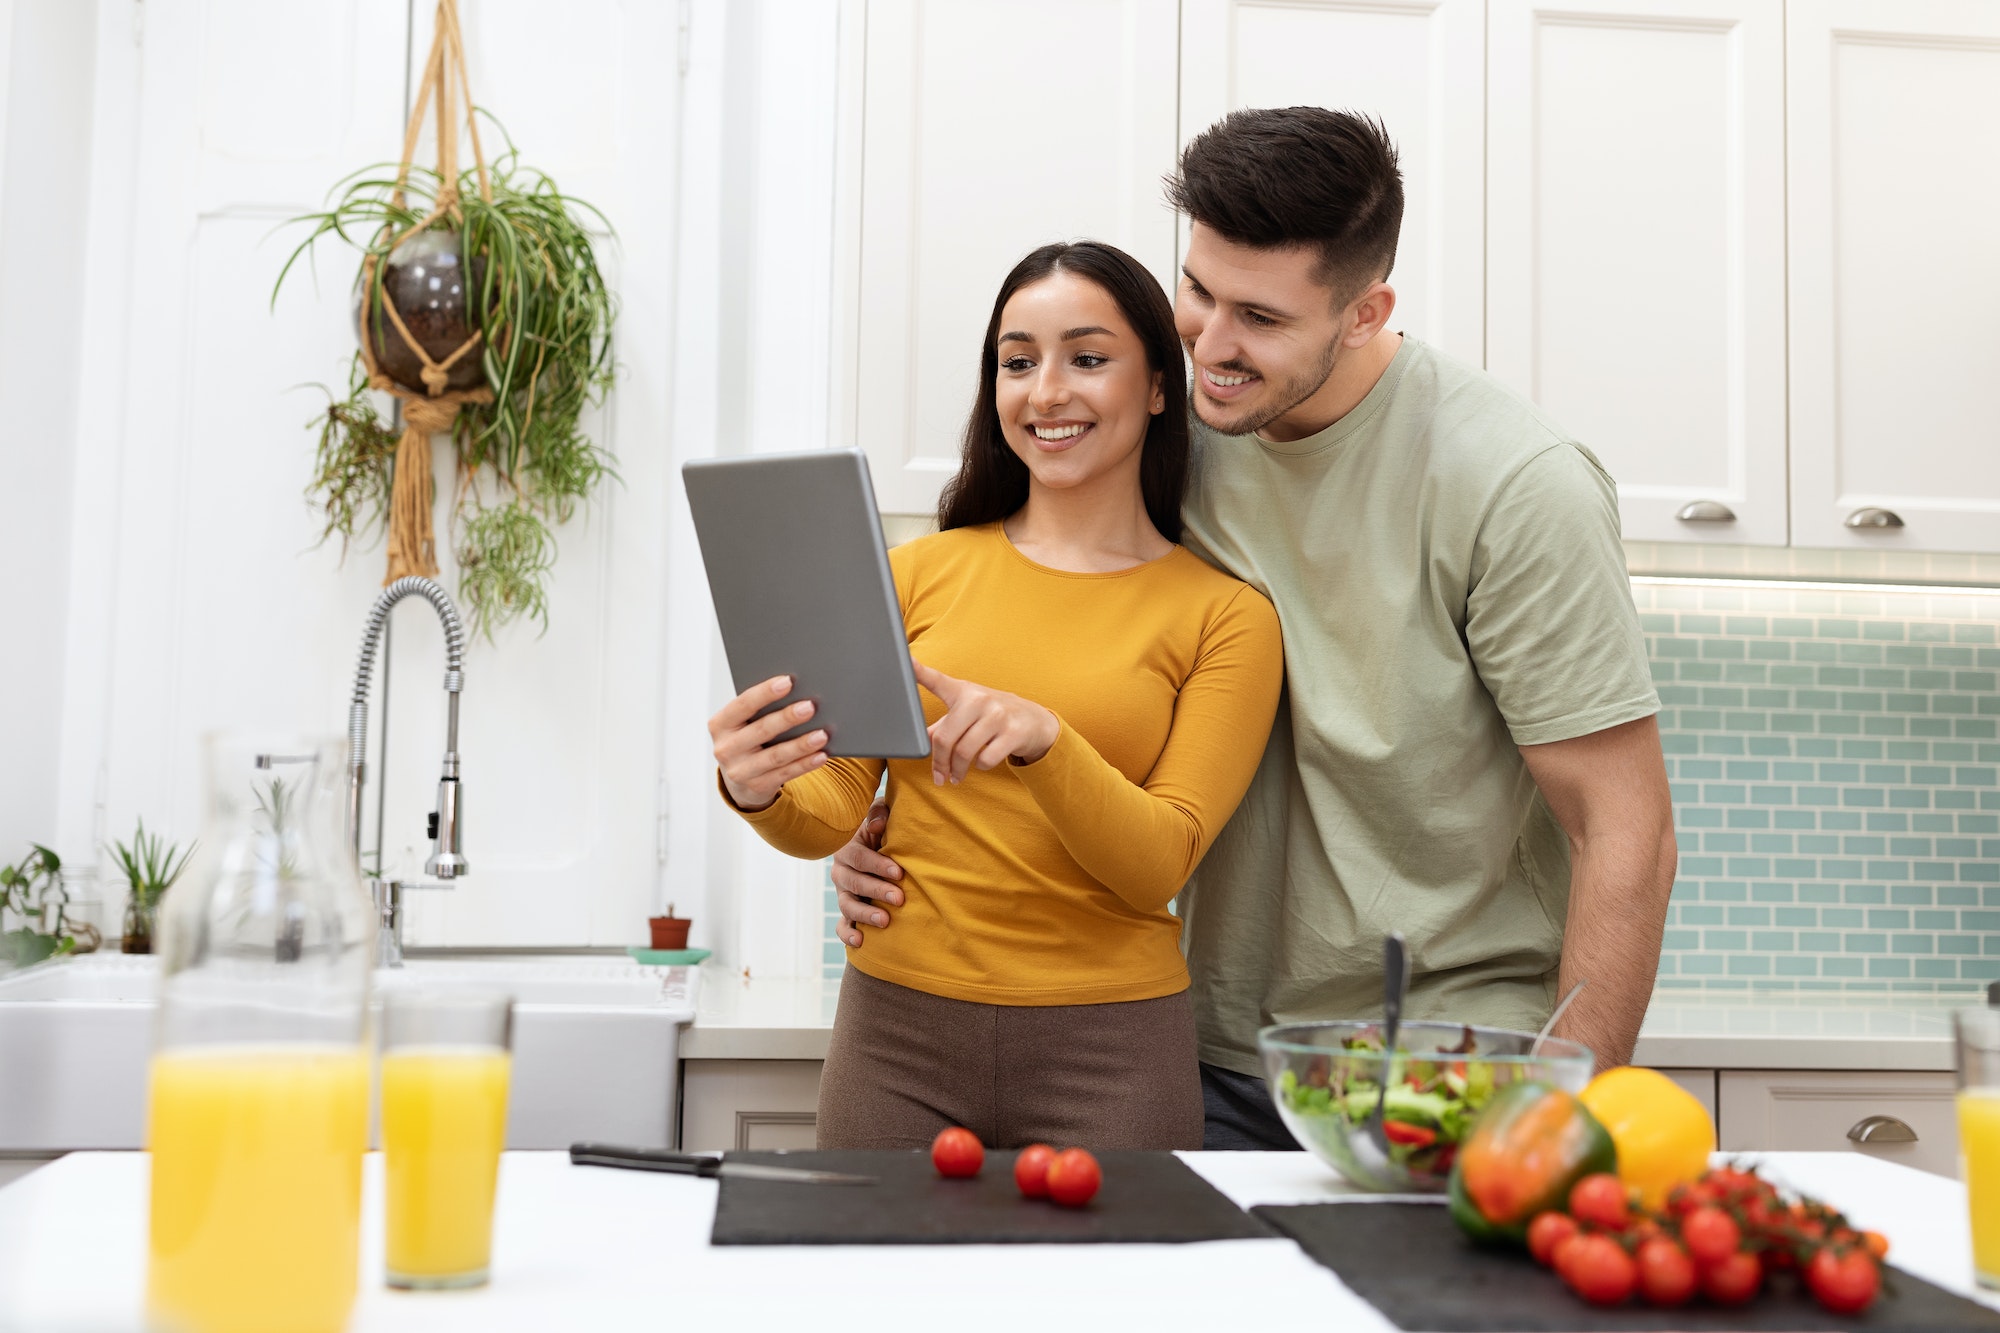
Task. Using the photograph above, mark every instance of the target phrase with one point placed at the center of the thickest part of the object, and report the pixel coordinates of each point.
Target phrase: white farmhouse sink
(596, 1047)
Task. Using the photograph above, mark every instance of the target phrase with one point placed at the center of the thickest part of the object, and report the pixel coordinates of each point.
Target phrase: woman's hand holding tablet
(982, 727)
(753, 769)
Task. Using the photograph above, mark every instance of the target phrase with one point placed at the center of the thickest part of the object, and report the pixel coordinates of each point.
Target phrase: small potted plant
(30, 890)
(669, 932)
(150, 866)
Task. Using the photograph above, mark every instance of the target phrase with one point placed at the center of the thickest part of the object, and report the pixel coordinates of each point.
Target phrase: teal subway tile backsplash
(1834, 758)
(1831, 756)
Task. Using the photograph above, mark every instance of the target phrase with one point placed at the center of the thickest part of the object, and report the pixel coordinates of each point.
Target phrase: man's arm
(1609, 792)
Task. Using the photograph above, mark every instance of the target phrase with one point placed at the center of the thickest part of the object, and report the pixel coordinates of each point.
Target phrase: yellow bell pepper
(1664, 1135)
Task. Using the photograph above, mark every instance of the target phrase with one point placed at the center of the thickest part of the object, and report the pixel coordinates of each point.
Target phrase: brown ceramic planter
(669, 932)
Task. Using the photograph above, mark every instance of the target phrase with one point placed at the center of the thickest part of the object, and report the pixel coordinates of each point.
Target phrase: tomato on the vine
(1683, 1199)
(1844, 1281)
(1031, 1170)
(957, 1153)
(1711, 1235)
(1599, 1200)
(1073, 1177)
(1666, 1274)
(1876, 1244)
(1547, 1231)
(1600, 1271)
(1733, 1280)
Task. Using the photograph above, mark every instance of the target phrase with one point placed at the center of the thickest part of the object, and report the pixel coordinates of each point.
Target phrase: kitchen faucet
(447, 861)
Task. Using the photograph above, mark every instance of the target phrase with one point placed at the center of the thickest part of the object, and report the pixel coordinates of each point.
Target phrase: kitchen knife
(700, 1164)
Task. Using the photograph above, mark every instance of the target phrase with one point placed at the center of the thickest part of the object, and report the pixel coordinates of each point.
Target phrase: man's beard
(1282, 397)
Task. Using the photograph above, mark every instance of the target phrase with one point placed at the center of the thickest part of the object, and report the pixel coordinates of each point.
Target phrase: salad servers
(1561, 1005)
(1395, 985)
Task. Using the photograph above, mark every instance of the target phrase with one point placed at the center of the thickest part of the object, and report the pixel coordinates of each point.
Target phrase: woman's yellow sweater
(1049, 883)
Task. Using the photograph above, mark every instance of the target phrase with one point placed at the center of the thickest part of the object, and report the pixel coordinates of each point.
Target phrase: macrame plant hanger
(412, 543)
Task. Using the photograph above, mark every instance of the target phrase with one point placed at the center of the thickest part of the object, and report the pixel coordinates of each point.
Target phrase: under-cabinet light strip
(1814, 585)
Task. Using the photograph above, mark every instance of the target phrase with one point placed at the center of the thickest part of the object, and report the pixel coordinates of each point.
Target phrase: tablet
(800, 577)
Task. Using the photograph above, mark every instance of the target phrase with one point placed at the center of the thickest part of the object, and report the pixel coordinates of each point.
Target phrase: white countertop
(776, 1019)
(792, 1018)
(584, 1248)
(1840, 1030)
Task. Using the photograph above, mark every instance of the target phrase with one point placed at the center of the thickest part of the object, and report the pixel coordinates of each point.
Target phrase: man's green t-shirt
(1447, 571)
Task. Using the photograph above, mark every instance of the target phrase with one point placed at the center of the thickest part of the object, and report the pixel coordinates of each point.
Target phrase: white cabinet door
(1635, 247)
(988, 130)
(1894, 171)
(748, 1104)
(1909, 1118)
(1418, 65)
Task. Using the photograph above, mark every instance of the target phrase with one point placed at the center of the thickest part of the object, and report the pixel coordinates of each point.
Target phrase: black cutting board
(1146, 1197)
(1411, 1262)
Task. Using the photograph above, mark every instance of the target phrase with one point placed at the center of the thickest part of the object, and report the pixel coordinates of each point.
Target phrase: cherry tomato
(1599, 1200)
(1877, 1244)
(1683, 1199)
(1711, 1235)
(1563, 1254)
(1031, 1170)
(1666, 1274)
(1846, 1281)
(957, 1152)
(1640, 1230)
(1547, 1231)
(1600, 1271)
(1417, 1136)
(1074, 1177)
(1733, 1280)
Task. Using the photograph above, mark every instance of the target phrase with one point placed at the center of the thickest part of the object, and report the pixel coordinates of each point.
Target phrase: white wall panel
(46, 80)
(223, 610)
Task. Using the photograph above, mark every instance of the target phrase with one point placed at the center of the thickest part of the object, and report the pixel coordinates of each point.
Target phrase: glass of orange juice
(445, 1068)
(1979, 1133)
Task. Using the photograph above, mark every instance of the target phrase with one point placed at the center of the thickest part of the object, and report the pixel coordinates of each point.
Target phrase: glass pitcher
(259, 1105)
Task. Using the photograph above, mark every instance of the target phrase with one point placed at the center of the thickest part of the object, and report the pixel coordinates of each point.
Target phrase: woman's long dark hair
(992, 482)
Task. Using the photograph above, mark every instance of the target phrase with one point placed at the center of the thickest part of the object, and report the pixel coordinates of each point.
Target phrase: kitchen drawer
(1807, 1111)
(762, 1104)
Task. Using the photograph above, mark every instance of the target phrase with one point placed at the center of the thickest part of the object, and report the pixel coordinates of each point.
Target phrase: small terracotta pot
(669, 932)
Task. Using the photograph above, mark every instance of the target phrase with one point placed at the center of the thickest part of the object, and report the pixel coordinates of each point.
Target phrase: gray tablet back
(800, 578)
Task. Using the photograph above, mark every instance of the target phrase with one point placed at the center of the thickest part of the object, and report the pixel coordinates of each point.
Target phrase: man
(1467, 749)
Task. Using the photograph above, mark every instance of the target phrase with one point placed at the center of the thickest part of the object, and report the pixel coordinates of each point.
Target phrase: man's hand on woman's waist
(865, 880)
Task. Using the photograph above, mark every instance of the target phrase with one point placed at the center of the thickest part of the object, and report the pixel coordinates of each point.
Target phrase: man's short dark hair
(1299, 176)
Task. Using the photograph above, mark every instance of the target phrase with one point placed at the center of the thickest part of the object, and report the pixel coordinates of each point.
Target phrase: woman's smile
(1056, 436)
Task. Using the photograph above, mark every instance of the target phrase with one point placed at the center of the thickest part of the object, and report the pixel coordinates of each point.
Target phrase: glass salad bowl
(1326, 1077)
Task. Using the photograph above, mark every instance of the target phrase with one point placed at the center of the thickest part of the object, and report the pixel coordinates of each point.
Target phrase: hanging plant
(481, 309)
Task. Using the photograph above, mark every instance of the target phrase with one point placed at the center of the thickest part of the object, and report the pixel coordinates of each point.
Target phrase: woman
(1033, 989)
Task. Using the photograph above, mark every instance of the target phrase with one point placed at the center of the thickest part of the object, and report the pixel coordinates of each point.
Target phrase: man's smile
(1226, 384)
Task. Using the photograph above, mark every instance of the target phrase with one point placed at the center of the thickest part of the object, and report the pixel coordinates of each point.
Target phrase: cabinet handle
(1706, 511)
(1874, 518)
(1882, 1129)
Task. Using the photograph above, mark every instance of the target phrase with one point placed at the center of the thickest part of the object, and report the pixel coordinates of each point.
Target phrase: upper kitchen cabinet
(1419, 66)
(1894, 168)
(966, 163)
(1635, 248)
